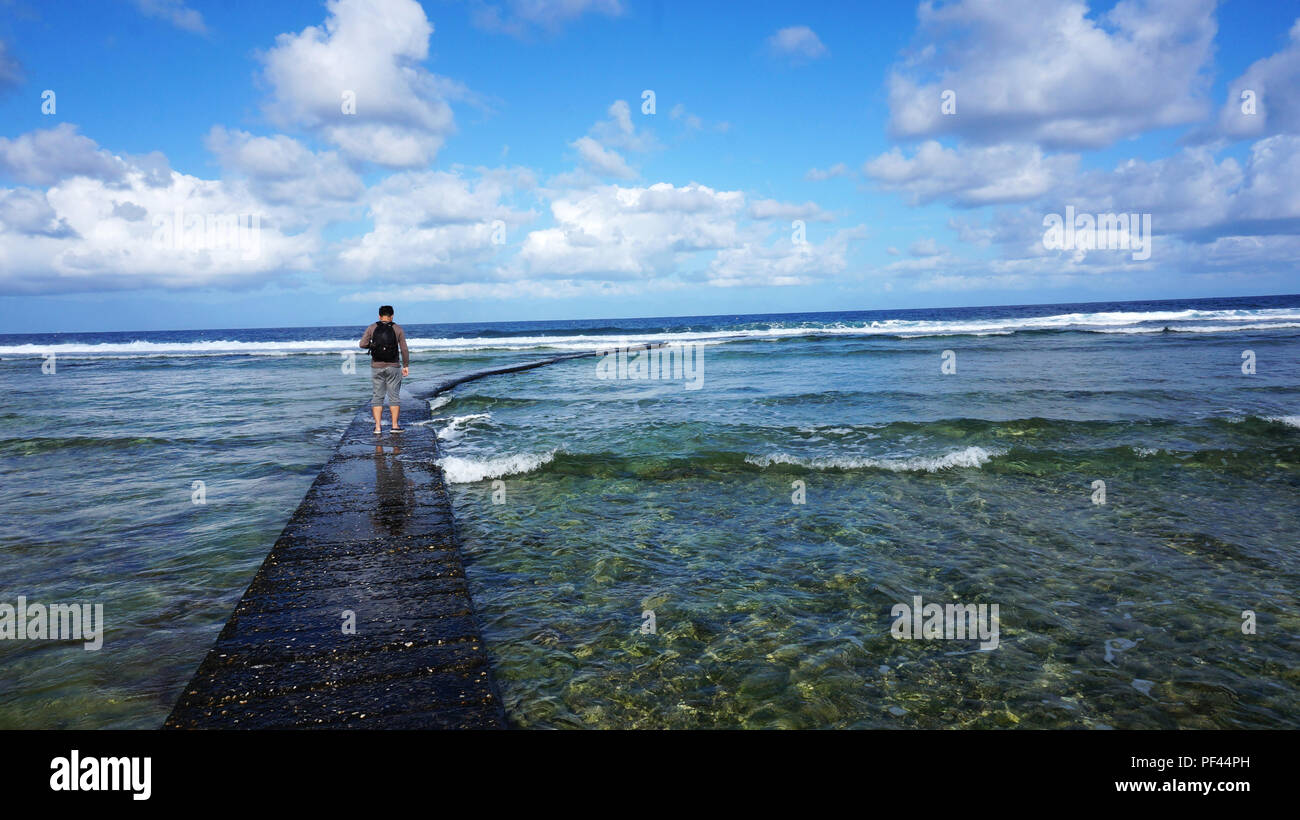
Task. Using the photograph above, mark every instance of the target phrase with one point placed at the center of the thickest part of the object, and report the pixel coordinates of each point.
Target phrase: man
(385, 341)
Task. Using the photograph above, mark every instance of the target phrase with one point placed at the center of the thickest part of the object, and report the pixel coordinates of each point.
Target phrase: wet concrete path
(373, 537)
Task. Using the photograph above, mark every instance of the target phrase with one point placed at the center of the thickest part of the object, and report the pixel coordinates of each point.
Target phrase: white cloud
(548, 289)
(797, 42)
(1232, 223)
(174, 12)
(521, 17)
(665, 233)
(1199, 197)
(44, 157)
(602, 160)
(925, 247)
(784, 263)
(24, 212)
(971, 176)
(616, 130)
(1043, 71)
(839, 169)
(970, 232)
(281, 170)
(435, 225)
(619, 232)
(775, 209)
(101, 232)
(373, 49)
(1273, 82)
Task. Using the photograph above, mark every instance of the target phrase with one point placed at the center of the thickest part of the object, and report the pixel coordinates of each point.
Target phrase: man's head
(386, 313)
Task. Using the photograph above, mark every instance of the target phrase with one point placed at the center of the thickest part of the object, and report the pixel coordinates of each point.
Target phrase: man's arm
(406, 354)
(365, 338)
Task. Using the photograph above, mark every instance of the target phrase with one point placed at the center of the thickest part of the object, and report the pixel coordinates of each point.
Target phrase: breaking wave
(468, 470)
(1185, 321)
(969, 457)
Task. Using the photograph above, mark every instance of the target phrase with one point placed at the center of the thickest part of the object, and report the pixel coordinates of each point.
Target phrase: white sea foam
(968, 457)
(1195, 321)
(1290, 421)
(439, 401)
(468, 470)
(1202, 328)
(456, 427)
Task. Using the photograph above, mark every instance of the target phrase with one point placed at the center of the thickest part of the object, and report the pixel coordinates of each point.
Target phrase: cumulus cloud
(108, 223)
(372, 49)
(24, 212)
(522, 17)
(533, 289)
(1044, 71)
(174, 12)
(621, 232)
(602, 160)
(971, 176)
(1263, 100)
(1230, 262)
(798, 43)
(281, 170)
(783, 263)
(1200, 197)
(46, 156)
(1233, 222)
(617, 131)
(664, 233)
(436, 224)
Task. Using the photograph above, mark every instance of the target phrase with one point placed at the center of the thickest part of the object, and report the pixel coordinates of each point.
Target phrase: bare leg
(393, 410)
(379, 412)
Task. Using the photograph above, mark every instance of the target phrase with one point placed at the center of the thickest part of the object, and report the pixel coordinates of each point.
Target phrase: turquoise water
(625, 497)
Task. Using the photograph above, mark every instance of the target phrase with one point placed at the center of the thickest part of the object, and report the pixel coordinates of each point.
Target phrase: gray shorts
(386, 381)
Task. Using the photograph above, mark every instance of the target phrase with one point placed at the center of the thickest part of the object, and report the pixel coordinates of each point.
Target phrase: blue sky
(500, 166)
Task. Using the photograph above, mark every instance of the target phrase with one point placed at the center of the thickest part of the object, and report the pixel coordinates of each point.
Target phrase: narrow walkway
(374, 537)
(373, 542)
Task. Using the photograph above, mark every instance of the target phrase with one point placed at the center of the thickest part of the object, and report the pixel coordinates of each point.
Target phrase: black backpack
(383, 343)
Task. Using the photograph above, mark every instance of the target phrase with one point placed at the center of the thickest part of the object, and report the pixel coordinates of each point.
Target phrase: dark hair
(386, 310)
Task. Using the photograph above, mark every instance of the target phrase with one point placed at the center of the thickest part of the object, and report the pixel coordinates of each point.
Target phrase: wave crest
(969, 457)
(468, 470)
(456, 427)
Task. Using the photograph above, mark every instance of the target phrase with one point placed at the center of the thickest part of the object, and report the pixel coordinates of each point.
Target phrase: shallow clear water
(622, 497)
(96, 506)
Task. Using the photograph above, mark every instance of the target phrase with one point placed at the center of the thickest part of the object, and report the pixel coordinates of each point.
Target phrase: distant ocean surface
(626, 497)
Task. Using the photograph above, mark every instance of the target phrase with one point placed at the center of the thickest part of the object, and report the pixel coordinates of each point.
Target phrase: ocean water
(637, 549)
